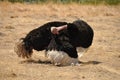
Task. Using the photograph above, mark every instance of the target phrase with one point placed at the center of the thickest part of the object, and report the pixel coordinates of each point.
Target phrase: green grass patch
(94, 2)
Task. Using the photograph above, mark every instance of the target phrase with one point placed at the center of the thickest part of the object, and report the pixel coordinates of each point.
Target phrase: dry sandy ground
(100, 62)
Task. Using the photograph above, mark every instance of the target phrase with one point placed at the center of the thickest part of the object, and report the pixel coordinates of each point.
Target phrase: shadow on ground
(90, 62)
(48, 62)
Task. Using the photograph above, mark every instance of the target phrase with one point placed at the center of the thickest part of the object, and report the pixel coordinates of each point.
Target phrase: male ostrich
(59, 39)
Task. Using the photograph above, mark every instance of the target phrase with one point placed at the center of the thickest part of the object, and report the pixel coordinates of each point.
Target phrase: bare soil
(100, 62)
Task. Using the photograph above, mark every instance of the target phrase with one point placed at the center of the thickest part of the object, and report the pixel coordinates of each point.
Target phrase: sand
(100, 62)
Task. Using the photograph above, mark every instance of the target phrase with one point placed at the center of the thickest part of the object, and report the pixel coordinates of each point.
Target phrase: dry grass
(101, 62)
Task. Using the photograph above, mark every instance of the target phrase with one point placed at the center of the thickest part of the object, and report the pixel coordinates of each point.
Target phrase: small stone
(83, 77)
(14, 75)
(119, 56)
